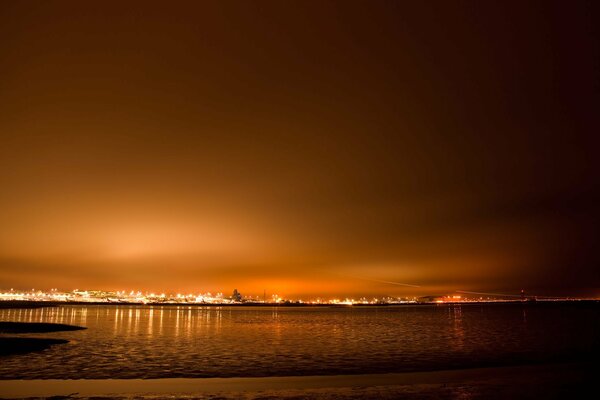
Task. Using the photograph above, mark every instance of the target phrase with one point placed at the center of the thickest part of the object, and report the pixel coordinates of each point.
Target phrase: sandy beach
(550, 381)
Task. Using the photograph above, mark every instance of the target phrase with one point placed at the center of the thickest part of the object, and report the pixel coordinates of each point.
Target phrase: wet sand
(551, 381)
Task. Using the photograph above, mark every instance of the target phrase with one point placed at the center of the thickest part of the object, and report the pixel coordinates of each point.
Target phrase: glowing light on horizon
(137, 297)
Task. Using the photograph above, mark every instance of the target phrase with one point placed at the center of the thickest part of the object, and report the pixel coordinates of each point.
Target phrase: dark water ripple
(170, 341)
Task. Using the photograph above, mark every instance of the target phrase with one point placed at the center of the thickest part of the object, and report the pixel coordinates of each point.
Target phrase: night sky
(311, 148)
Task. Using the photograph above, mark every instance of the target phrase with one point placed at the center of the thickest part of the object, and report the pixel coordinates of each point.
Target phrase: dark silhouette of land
(36, 327)
(21, 345)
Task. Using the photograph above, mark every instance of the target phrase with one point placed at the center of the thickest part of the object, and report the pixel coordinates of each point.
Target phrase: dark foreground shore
(550, 381)
(10, 345)
(36, 327)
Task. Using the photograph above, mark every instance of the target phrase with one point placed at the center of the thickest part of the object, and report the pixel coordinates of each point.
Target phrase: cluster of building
(101, 296)
(138, 297)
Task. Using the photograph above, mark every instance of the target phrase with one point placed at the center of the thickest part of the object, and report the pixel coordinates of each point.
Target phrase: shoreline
(525, 378)
(27, 304)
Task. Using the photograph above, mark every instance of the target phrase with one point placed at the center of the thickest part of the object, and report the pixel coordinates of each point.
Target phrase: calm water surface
(171, 341)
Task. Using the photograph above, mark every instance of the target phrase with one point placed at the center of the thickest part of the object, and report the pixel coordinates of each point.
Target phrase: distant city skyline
(221, 297)
(236, 298)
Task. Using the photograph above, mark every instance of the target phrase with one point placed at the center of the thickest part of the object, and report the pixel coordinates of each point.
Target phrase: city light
(139, 297)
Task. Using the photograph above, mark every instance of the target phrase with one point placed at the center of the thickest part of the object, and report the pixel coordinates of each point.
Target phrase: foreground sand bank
(36, 327)
(20, 345)
(550, 381)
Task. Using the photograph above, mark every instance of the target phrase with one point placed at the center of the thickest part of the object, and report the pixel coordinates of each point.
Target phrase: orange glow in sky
(320, 149)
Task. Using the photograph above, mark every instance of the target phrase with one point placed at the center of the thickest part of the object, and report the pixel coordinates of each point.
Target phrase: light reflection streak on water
(129, 319)
(458, 338)
(116, 319)
(137, 320)
(62, 315)
(150, 321)
(189, 322)
(83, 318)
(160, 329)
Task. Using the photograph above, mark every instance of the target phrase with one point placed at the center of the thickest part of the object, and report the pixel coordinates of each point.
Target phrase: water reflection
(116, 318)
(160, 327)
(129, 319)
(458, 337)
(159, 341)
(82, 316)
(64, 315)
(150, 321)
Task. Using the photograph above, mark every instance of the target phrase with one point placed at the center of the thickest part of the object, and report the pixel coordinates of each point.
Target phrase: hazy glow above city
(224, 145)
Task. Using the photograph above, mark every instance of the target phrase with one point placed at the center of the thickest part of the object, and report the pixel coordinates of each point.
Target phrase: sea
(143, 341)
